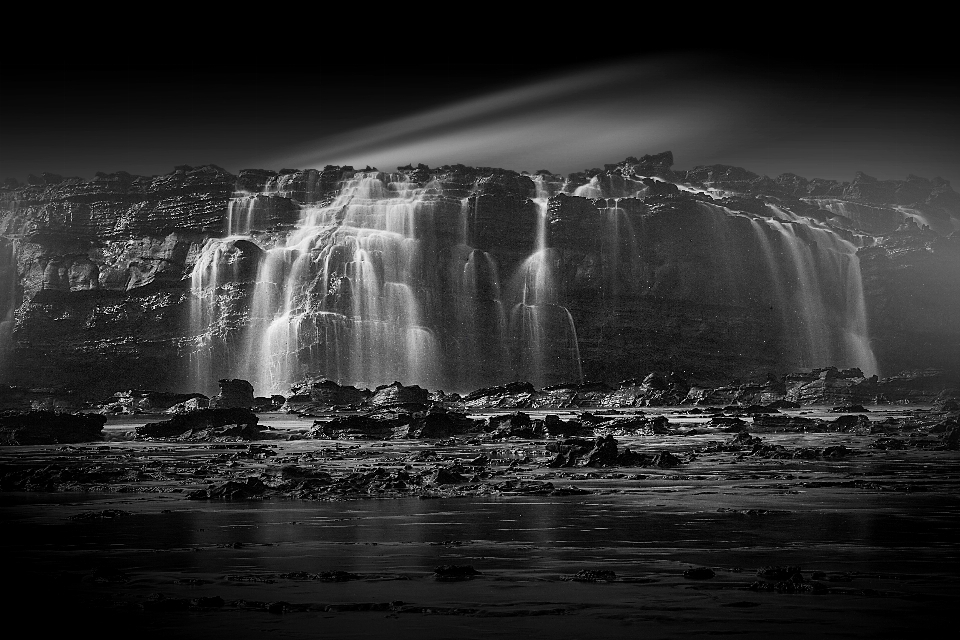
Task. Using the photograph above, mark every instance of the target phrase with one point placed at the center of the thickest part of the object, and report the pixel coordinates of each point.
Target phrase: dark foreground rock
(393, 423)
(451, 572)
(206, 424)
(48, 427)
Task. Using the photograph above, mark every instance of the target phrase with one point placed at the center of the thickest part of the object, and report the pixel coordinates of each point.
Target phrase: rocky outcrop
(234, 394)
(205, 424)
(135, 401)
(396, 394)
(48, 427)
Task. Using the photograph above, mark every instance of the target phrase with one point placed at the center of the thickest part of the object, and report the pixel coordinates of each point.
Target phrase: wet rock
(785, 423)
(234, 394)
(732, 424)
(783, 404)
(528, 488)
(231, 490)
(885, 444)
(779, 572)
(947, 406)
(326, 394)
(604, 452)
(852, 424)
(379, 425)
(951, 437)
(206, 424)
(264, 404)
(139, 401)
(396, 394)
(438, 422)
(557, 428)
(568, 451)
(829, 385)
(633, 425)
(655, 390)
(48, 427)
(189, 406)
(515, 425)
(515, 395)
(454, 572)
(838, 451)
(744, 439)
(444, 476)
(594, 575)
(628, 458)
(665, 460)
(399, 422)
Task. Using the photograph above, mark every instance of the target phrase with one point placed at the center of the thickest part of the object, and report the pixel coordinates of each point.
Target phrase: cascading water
(388, 282)
(537, 320)
(346, 294)
(213, 285)
(382, 285)
(819, 292)
(480, 350)
(242, 215)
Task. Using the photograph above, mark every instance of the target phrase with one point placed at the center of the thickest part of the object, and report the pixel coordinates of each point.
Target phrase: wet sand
(123, 550)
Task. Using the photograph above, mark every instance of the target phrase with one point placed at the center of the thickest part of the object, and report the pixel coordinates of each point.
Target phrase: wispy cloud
(561, 123)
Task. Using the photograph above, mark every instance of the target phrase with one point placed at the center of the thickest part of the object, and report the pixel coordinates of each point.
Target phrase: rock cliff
(126, 282)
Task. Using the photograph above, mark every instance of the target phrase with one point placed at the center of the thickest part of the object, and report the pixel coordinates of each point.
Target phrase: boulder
(234, 394)
(397, 394)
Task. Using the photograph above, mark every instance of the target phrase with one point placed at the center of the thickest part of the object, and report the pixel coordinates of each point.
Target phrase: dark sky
(888, 113)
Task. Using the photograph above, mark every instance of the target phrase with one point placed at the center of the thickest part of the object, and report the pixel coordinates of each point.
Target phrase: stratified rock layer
(96, 292)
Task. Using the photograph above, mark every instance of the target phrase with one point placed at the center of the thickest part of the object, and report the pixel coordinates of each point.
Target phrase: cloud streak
(588, 116)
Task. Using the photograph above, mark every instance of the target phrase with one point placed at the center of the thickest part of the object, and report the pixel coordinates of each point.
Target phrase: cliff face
(125, 281)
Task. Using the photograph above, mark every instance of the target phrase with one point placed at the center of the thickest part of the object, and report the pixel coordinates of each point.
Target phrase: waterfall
(212, 283)
(619, 251)
(399, 280)
(591, 190)
(818, 288)
(384, 284)
(480, 348)
(547, 347)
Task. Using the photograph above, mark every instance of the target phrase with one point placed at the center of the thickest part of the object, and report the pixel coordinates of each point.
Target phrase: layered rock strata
(608, 274)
